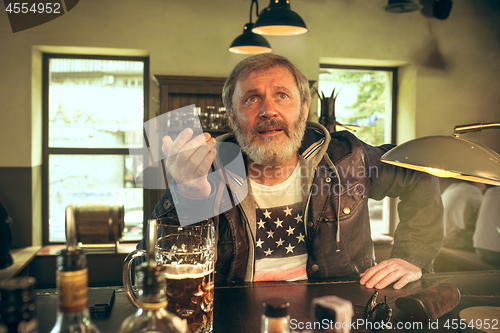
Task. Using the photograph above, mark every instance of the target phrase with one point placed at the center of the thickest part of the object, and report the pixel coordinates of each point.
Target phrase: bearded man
(306, 212)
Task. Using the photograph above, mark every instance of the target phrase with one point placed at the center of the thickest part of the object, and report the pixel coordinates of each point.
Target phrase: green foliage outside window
(367, 93)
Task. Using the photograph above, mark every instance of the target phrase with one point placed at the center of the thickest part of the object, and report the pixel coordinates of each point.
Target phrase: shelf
(22, 257)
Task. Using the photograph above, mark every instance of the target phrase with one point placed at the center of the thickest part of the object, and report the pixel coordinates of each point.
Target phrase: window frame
(394, 107)
(47, 151)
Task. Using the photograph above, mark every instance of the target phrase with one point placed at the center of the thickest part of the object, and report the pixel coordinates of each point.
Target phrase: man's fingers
(188, 161)
(175, 146)
(386, 278)
(182, 148)
(402, 282)
(167, 142)
(184, 152)
(196, 142)
(198, 163)
(369, 273)
(204, 166)
(180, 141)
(206, 162)
(389, 271)
(377, 277)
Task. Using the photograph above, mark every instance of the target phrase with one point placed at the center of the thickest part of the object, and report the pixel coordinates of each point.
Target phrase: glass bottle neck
(67, 320)
(79, 315)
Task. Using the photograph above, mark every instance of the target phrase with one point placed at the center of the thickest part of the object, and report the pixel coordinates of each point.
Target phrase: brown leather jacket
(331, 165)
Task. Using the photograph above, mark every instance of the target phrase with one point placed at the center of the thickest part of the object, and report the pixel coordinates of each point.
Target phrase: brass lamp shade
(446, 156)
(279, 20)
(249, 42)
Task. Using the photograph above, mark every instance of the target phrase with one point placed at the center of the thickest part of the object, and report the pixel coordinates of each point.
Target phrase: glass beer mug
(188, 255)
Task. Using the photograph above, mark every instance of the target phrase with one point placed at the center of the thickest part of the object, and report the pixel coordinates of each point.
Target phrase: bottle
(275, 318)
(17, 307)
(73, 315)
(151, 316)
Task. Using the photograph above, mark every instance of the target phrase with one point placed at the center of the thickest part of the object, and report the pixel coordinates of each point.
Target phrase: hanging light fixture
(449, 156)
(249, 42)
(279, 20)
(402, 6)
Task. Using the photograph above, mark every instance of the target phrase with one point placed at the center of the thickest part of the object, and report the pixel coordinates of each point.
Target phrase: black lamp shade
(279, 20)
(441, 9)
(402, 6)
(249, 43)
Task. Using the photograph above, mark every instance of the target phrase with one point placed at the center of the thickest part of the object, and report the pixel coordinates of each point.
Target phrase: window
(365, 105)
(91, 105)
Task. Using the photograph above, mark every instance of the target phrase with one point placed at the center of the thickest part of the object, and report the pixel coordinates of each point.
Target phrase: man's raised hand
(188, 161)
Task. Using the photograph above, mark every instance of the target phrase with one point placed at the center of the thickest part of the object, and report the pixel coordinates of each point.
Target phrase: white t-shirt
(458, 199)
(487, 233)
(280, 249)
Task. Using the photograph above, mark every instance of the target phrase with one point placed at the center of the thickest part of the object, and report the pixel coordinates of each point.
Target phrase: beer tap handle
(71, 241)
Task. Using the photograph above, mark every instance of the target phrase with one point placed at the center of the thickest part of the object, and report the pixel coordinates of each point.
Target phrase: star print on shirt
(259, 243)
(283, 235)
(300, 238)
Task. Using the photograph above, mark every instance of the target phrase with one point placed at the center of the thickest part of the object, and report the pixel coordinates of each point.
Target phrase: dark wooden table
(238, 308)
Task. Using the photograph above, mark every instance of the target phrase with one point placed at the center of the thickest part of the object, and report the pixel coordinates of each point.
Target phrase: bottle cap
(275, 308)
(151, 280)
(68, 260)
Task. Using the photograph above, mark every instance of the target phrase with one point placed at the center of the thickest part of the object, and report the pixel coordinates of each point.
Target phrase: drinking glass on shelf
(191, 119)
(210, 110)
(224, 120)
(204, 118)
(175, 121)
(215, 122)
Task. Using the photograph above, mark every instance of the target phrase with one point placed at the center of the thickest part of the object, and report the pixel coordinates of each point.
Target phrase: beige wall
(454, 64)
(192, 37)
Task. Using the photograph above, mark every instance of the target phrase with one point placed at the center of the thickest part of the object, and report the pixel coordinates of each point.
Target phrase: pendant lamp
(279, 20)
(250, 42)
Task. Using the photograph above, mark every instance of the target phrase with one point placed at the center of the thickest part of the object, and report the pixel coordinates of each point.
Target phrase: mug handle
(127, 275)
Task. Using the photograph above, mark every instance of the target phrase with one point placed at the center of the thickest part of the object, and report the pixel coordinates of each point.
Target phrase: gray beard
(269, 154)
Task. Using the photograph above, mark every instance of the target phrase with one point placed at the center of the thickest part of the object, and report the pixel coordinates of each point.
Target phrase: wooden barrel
(99, 223)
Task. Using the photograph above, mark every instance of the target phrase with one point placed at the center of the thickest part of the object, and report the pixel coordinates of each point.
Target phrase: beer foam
(174, 271)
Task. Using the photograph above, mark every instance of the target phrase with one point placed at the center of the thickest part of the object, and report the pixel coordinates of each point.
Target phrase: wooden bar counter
(238, 307)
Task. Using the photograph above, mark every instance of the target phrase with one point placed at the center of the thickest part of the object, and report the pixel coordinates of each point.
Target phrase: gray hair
(261, 62)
